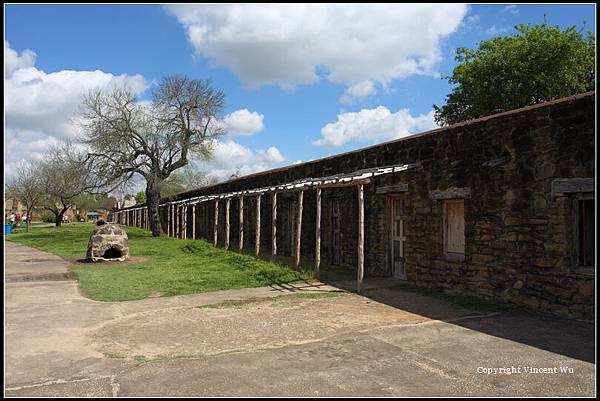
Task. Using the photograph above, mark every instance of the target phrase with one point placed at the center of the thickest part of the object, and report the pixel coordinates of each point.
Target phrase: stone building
(501, 207)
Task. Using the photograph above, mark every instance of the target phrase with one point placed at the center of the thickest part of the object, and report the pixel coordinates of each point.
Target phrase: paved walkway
(59, 343)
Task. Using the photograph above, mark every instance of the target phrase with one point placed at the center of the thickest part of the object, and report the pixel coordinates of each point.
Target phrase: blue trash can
(7, 229)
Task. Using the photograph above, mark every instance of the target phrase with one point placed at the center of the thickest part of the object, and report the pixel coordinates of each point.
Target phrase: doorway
(396, 237)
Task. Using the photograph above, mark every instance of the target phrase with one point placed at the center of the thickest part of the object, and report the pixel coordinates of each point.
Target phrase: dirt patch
(251, 325)
(15, 278)
(79, 261)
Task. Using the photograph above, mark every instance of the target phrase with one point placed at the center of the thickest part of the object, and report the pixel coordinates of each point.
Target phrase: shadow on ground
(568, 337)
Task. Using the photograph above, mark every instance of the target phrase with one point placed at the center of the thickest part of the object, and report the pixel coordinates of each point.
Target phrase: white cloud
(229, 157)
(13, 61)
(512, 9)
(357, 91)
(494, 30)
(373, 125)
(286, 44)
(39, 107)
(243, 122)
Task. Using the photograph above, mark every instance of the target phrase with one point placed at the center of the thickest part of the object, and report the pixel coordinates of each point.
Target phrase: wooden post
(318, 235)
(361, 238)
(299, 228)
(193, 222)
(241, 223)
(184, 225)
(177, 223)
(257, 250)
(216, 223)
(170, 221)
(227, 201)
(274, 226)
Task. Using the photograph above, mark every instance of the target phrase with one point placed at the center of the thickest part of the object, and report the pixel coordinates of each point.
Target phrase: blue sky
(309, 82)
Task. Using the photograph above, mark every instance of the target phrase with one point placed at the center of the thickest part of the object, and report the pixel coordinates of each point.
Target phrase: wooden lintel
(366, 181)
(572, 185)
(392, 189)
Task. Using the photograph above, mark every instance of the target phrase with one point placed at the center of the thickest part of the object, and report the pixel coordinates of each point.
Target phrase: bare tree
(66, 174)
(152, 139)
(26, 188)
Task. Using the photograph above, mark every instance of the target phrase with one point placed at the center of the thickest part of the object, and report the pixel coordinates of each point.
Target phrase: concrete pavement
(59, 343)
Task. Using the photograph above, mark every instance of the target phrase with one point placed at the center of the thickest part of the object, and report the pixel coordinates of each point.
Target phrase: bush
(48, 217)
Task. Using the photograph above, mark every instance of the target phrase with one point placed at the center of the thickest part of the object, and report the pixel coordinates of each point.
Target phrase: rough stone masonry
(500, 207)
(108, 242)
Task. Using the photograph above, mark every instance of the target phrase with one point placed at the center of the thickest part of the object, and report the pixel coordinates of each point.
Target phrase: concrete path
(394, 343)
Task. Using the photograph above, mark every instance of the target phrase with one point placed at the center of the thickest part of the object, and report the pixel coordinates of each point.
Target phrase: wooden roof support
(227, 223)
(193, 222)
(274, 226)
(257, 245)
(216, 223)
(318, 235)
(241, 223)
(361, 239)
(184, 225)
(298, 229)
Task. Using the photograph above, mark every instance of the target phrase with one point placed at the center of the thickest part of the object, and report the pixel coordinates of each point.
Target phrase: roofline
(426, 133)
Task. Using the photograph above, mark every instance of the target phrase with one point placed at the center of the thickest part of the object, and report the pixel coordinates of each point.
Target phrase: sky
(301, 81)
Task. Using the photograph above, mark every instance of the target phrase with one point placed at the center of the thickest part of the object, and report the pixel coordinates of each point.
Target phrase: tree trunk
(28, 219)
(153, 203)
(59, 216)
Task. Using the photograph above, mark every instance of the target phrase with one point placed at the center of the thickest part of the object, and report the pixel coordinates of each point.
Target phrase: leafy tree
(152, 139)
(537, 64)
(140, 198)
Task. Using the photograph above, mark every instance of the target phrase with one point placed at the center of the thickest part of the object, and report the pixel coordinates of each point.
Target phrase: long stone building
(501, 207)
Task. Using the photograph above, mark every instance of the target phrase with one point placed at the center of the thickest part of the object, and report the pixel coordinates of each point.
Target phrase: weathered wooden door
(336, 238)
(396, 238)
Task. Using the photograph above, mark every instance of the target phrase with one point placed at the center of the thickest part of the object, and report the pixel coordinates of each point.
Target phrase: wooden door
(396, 238)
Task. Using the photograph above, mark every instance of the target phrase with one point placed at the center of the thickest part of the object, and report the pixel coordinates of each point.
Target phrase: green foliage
(140, 198)
(537, 64)
(48, 217)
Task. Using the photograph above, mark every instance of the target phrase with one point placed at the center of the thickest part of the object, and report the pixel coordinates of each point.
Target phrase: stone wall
(518, 234)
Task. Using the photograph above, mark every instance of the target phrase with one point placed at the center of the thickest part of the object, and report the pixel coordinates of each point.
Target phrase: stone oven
(108, 242)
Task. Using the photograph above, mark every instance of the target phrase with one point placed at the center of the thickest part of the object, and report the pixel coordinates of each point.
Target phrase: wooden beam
(346, 184)
(299, 228)
(216, 223)
(241, 223)
(318, 235)
(274, 226)
(361, 238)
(227, 201)
(257, 245)
(193, 222)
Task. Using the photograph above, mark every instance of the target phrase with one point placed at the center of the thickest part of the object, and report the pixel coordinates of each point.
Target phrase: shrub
(48, 217)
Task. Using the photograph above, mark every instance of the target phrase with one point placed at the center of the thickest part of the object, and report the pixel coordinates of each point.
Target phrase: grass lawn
(171, 266)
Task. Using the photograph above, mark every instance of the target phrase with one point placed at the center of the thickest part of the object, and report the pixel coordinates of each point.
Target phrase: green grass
(171, 266)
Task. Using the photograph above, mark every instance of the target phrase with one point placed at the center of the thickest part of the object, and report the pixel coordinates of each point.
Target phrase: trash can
(7, 229)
